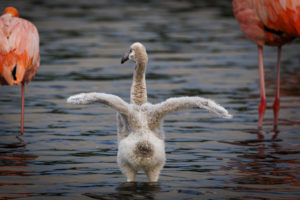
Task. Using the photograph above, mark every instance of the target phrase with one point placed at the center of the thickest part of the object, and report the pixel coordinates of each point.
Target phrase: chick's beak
(125, 57)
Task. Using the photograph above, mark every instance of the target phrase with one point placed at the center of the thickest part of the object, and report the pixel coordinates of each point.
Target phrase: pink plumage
(268, 22)
(19, 51)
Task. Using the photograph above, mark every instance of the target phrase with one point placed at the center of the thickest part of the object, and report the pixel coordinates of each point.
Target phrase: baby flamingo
(140, 134)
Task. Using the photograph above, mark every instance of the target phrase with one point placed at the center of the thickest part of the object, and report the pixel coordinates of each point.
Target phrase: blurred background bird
(268, 22)
(19, 52)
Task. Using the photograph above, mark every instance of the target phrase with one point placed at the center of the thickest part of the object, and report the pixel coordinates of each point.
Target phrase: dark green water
(194, 48)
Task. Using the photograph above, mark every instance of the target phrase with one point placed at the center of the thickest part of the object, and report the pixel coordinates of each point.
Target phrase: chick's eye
(130, 50)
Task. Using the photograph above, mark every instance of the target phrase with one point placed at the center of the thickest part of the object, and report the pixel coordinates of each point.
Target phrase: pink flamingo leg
(22, 109)
(276, 105)
(262, 105)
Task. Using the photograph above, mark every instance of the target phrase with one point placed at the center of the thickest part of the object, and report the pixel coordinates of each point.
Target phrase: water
(194, 48)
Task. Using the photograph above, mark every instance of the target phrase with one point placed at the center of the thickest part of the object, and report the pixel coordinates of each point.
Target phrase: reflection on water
(14, 161)
(195, 48)
(265, 166)
(129, 191)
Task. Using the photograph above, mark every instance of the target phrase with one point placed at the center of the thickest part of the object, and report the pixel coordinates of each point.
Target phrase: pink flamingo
(19, 52)
(268, 22)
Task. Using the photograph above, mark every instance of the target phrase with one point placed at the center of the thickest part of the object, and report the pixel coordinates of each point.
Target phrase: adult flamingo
(268, 22)
(19, 52)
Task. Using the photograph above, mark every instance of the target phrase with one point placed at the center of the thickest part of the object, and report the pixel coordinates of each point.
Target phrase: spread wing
(110, 100)
(181, 103)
